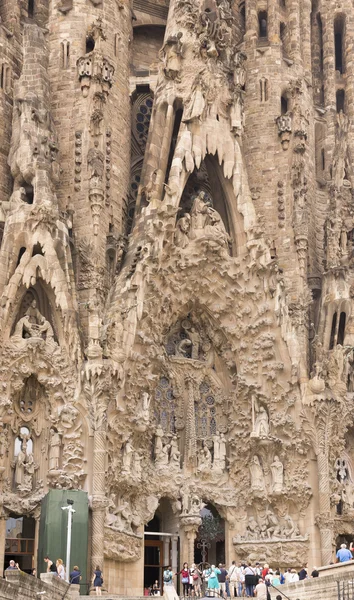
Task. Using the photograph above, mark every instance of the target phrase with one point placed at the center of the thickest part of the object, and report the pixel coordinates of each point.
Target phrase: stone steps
(109, 596)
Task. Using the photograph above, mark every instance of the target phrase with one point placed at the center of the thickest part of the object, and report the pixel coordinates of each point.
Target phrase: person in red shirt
(265, 571)
(185, 574)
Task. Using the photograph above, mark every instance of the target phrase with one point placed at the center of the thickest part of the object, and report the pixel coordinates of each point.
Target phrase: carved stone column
(174, 553)
(324, 521)
(191, 441)
(251, 19)
(2, 541)
(98, 498)
(165, 150)
(294, 27)
(273, 22)
(190, 525)
(306, 36)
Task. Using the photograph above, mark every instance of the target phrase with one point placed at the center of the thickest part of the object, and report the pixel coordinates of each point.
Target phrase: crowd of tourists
(240, 580)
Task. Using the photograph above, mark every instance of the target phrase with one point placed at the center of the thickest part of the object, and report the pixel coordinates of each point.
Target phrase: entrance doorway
(160, 546)
(19, 542)
(153, 565)
(210, 542)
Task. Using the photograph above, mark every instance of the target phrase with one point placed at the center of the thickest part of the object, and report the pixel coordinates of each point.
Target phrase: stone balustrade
(324, 587)
(20, 586)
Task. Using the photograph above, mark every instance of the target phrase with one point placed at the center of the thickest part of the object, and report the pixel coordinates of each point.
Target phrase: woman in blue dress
(213, 582)
(97, 581)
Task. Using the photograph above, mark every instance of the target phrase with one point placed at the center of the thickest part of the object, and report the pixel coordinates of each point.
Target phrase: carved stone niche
(187, 340)
(34, 319)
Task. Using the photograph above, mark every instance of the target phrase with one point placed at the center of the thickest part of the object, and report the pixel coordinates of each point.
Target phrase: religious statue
(145, 414)
(171, 54)
(54, 450)
(182, 230)
(33, 325)
(206, 222)
(219, 451)
(175, 455)
(20, 467)
(261, 426)
(341, 469)
(204, 459)
(185, 501)
(277, 470)
(158, 441)
(272, 524)
(252, 530)
(290, 530)
(195, 106)
(128, 451)
(257, 475)
(95, 162)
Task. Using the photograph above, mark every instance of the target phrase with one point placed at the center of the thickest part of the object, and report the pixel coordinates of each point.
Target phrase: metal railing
(345, 590)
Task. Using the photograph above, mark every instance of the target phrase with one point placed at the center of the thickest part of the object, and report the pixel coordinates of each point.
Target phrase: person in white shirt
(232, 577)
(293, 576)
(260, 590)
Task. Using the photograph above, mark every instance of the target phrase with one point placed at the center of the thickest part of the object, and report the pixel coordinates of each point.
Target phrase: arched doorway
(210, 541)
(160, 545)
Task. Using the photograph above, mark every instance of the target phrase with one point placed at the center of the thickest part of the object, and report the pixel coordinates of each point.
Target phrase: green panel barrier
(53, 530)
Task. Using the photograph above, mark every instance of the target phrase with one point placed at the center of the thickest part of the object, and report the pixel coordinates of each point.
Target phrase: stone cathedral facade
(176, 278)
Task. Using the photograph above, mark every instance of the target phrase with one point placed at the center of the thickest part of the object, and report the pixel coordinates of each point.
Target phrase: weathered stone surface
(176, 272)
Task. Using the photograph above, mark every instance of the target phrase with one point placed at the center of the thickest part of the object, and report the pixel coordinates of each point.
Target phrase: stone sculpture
(277, 470)
(257, 476)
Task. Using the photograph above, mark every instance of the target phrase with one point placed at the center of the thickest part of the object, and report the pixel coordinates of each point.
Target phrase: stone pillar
(329, 84)
(294, 31)
(166, 550)
(324, 520)
(251, 19)
(165, 151)
(273, 22)
(190, 524)
(98, 499)
(306, 36)
(2, 543)
(328, 62)
(174, 553)
(349, 88)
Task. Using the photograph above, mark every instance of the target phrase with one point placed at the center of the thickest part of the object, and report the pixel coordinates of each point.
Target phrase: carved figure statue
(341, 469)
(204, 459)
(171, 55)
(253, 530)
(182, 230)
(20, 467)
(277, 470)
(128, 451)
(261, 426)
(290, 530)
(196, 103)
(158, 441)
(219, 451)
(175, 455)
(206, 221)
(273, 528)
(257, 475)
(33, 325)
(145, 415)
(185, 498)
(95, 161)
(54, 450)
(239, 72)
